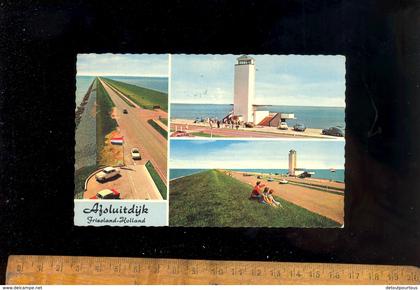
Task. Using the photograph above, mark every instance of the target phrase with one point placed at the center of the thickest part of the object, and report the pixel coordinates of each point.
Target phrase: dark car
(299, 127)
(125, 111)
(333, 131)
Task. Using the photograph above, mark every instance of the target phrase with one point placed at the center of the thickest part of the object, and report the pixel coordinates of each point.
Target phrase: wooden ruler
(105, 270)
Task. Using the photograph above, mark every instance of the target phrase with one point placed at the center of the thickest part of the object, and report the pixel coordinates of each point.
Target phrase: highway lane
(137, 132)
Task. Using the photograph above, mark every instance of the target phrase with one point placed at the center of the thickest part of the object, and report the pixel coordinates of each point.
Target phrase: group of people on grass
(264, 195)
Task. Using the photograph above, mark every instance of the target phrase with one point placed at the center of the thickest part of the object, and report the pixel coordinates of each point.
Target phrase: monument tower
(292, 162)
(244, 88)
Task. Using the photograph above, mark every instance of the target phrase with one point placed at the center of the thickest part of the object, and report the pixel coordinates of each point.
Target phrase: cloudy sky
(270, 154)
(280, 80)
(109, 64)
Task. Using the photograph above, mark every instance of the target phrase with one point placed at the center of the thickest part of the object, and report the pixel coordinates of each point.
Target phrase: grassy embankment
(156, 178)
(104, 122)
(80, 176)
(211, 198)
(164, 121)
(145, 98)
(158, 128)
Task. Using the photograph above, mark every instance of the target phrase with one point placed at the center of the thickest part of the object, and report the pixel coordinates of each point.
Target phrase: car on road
(135, 154)
(333, 131)
(107, 173)
(125, 111)
(299, 127)
(107, 194)
(283, 126)
(283, 181)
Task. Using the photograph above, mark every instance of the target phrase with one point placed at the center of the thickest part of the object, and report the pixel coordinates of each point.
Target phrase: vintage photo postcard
(121, 139)
(257, 183)
(258, 96)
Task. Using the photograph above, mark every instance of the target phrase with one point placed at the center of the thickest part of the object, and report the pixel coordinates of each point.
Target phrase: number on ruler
(315, 274)
(354, 275)
(393, 276)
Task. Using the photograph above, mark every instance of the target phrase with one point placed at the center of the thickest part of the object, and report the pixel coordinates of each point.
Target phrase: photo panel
(121, 139)
(258, 96)
(257, 183)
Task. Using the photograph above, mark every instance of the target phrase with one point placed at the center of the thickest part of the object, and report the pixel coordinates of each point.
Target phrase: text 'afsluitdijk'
(101, 209)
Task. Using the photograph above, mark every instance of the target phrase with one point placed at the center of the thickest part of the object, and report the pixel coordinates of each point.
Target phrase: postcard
(210, 140)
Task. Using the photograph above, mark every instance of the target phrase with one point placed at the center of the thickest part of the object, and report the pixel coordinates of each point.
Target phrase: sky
(280, 79)
(108, 64)
(261, 154)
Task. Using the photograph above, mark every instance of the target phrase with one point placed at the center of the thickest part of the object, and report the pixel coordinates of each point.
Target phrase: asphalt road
(133, 183)
(140, 134)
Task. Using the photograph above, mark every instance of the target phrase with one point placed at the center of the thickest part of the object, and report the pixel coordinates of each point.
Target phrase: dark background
(380, 39)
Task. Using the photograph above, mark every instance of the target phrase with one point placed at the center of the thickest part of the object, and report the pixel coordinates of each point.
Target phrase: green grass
(211, 198)
(145, 98)
(164, 121)
(156, 178)
(202, 134)
(104, 123)
(80, 176)
(158, 128)
(122, 98)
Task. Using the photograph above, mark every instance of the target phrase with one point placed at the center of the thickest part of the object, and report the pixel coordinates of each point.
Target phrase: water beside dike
(311, 117)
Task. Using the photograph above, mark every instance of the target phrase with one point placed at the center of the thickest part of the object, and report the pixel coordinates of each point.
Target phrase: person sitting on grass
(256, 191)
(271, 198)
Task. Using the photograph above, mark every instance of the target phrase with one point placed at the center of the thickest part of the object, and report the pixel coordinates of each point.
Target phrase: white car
(283, 126)
(135, 154)
(107, 173)
(283, 181)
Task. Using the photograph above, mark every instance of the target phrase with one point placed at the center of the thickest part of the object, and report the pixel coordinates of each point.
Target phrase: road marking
(132, 183)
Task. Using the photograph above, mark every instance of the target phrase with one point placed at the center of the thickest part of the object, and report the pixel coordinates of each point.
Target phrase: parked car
(333, 131)
(107, 194)
(283, 126)
(299, 127)
(270, 179)
(135, 154)
(125, 111)
(107, 173)
(259, 177)
(283, 181)
(249, 125)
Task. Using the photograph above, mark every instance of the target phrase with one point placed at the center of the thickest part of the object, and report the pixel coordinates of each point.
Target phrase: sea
(82, 85)
(153, 83)
(311, 117)
(338, 175)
